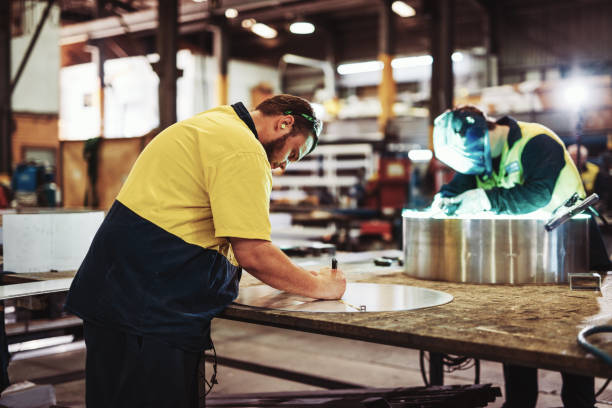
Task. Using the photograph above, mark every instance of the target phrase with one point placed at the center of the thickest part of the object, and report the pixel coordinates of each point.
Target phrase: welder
(509, 167)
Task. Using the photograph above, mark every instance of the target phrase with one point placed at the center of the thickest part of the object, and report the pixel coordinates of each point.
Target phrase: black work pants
(522, 388)
(131, 371)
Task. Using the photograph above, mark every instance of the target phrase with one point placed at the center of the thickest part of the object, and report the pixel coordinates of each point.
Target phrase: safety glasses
(317, 125)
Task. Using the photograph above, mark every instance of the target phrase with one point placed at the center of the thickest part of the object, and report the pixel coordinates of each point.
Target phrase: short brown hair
(279, 104)
(475, 110)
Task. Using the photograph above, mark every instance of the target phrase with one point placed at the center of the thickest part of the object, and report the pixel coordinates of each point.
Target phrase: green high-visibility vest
(510, 172)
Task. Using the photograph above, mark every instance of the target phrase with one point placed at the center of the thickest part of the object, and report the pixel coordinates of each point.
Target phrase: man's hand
(445, 205)
(471, 202)
(270, 265)
(333, 280)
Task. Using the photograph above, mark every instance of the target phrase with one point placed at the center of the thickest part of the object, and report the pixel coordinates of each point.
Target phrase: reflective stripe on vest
(510, 172)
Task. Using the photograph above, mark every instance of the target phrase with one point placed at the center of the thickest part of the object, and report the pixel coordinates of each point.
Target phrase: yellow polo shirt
(204, 179)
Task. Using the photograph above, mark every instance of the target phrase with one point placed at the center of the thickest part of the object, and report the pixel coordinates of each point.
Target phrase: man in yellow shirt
(193, 211)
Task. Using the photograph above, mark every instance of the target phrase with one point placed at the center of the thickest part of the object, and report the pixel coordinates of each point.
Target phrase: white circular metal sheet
(359, 297)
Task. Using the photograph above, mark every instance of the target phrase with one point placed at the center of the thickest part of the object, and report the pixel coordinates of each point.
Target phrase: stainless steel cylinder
(494, 249)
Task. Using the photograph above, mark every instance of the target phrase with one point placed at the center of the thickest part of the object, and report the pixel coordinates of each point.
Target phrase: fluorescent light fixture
(264, 30)
(575, 95)
(402, 9)
(396, 63)
(302, 27)
(231, 13)
(248, 23)
(420, 155)
(360, 67)
(199, 1)
(410, 62)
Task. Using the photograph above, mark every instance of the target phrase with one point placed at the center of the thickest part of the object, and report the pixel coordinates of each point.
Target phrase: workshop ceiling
(345, 29)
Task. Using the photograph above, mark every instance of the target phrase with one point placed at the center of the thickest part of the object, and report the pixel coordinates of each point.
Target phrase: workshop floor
(344, 360)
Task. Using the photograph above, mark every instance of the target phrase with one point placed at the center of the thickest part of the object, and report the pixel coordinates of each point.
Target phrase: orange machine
(390, 189)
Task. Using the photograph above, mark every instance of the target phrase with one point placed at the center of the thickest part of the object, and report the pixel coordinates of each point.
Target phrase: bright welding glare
(420, 155)
(575, 95)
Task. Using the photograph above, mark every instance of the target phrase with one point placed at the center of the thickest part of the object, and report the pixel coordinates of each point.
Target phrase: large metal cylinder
(494, 249)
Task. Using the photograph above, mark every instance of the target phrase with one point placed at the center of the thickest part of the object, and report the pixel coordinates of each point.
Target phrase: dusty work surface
(532, 325)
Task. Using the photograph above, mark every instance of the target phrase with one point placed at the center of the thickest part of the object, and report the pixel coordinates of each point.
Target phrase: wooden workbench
(530, 325)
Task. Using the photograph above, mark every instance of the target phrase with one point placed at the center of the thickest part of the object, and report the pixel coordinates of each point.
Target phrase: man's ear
(286, 121)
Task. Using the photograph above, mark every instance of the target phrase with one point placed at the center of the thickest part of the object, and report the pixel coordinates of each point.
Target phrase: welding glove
(439, 203)
(471, 202)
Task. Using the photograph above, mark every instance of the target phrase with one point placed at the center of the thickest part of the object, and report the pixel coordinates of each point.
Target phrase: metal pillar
(492, 33)
(221, 51)
(5, 88)
(441, 51)
(331, 48)
(387, 89)
(441, 99)
(167, 36)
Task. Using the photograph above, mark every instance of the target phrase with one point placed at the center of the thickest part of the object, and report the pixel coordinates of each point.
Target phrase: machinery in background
(33, 185)
(390, 190)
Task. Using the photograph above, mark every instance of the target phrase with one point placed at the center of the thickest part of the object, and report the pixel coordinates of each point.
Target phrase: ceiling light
(360, 67)
(457, 56)
(248, 23)
(402, 9)
(396, 63)
(264, 30)
(231, 13)
(410, 62)
(153, 58)
(302, 27)
(199, 1)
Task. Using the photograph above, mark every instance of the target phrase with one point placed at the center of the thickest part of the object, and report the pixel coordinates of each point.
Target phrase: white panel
(242, 76)
(34, 288)
(196, 88)
(130, 98)
(80, 107)
(38, 87)
(48, 241)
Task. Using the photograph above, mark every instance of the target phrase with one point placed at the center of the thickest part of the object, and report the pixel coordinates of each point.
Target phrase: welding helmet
(461, 141)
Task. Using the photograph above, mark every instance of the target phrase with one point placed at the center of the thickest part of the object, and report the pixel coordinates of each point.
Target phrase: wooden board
(115, 160)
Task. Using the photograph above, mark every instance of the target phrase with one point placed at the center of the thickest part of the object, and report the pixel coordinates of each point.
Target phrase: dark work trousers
(599, 259)
(126, 370)
(522, 388)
